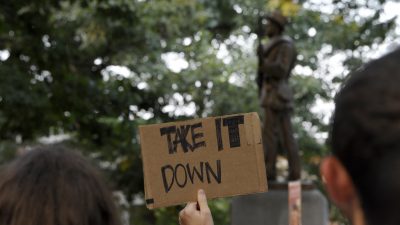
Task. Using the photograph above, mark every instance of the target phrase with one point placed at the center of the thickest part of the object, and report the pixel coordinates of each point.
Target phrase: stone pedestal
(271, 208)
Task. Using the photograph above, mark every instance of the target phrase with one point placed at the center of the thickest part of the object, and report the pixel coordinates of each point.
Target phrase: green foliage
(60, 77)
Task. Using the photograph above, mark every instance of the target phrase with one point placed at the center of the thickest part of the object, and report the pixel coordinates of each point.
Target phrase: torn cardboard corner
(222, 155)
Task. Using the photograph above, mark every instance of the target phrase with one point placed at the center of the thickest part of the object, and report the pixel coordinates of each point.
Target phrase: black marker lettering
(233, 129)
(179, 174)
(191, 173)
(219, 134)
(197, 136)
(209, 170)
(180, 138)
(167, 186)
(168, 131)
(176, 175)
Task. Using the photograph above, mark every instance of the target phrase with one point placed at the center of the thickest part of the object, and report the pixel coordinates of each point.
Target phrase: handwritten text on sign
(190, 138)
(215, 154)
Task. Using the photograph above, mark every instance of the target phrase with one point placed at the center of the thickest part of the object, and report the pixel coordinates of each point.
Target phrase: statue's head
(276, 23)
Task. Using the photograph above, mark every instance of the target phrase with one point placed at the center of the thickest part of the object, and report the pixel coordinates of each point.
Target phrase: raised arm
(280, 67)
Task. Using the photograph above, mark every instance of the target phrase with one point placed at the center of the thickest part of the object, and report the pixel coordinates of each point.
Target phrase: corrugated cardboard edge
(258, 145)
(147, 189)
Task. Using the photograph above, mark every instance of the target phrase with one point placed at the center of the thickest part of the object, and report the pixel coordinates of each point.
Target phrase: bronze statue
(276, 60)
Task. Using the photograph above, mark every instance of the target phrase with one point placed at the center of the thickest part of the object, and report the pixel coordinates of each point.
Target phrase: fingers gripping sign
(193, 215)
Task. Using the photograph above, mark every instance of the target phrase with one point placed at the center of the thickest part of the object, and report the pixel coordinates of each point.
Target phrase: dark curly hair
(54, 186)
(365, 136)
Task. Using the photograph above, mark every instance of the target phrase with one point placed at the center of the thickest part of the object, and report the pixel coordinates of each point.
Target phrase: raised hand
(193, 215)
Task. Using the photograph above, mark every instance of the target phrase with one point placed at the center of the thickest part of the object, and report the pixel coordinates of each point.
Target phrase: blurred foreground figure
(276, 61)
(54, 186)
(362, 176)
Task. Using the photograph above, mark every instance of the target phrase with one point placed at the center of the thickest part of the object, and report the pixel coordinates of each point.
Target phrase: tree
(95, 70)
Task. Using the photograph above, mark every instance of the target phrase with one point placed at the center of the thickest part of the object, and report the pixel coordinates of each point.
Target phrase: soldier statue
(276, 60)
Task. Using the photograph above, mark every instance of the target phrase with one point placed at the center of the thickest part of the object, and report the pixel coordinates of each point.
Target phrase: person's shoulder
(286, 40)
(283, 41)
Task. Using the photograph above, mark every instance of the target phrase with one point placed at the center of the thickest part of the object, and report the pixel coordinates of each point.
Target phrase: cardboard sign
(222, 155)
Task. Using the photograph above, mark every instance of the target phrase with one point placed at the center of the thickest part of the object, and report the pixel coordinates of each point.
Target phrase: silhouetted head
(54, 186)
(366, 137)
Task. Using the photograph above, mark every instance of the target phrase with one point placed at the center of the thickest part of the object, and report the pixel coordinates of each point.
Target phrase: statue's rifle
(260, 27)
(260, 34)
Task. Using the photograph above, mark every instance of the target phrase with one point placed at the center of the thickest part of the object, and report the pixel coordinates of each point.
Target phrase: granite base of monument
(271, 208)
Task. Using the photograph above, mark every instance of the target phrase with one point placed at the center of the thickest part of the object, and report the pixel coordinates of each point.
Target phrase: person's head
(54, 186)
(363, 175)
(276, 24)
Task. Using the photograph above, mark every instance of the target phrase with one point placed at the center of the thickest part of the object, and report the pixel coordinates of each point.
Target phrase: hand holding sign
(190, 215)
